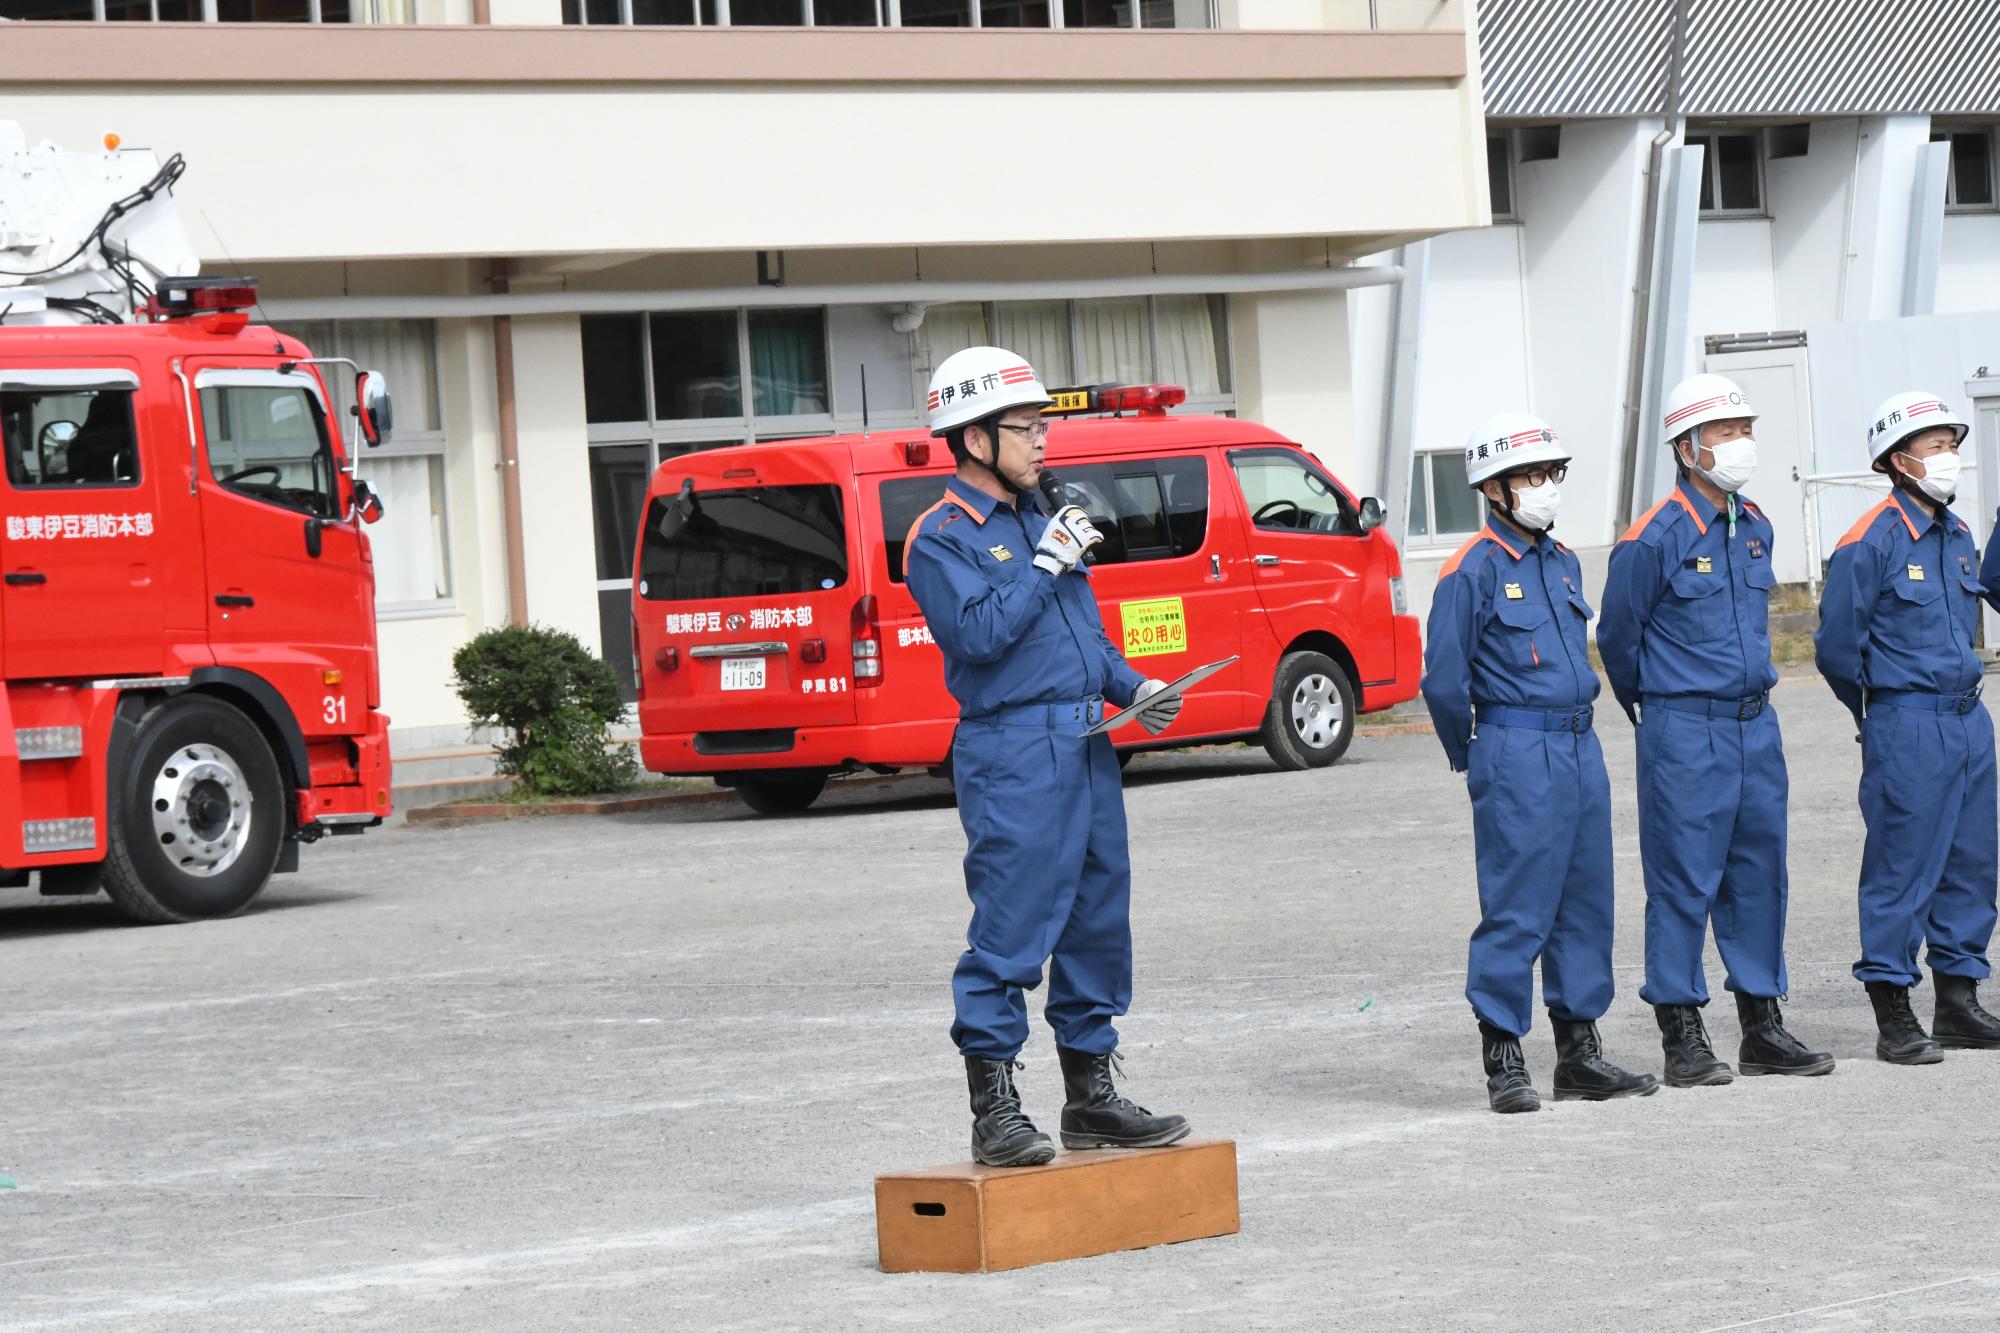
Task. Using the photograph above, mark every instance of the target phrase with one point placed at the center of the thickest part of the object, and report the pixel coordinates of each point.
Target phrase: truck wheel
(1311, 716)
(198, 818)
(780, 793)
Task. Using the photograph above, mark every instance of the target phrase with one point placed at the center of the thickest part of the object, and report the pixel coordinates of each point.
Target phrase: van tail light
(867, 632)
(668, 659)
(813, 651)
(638, 667)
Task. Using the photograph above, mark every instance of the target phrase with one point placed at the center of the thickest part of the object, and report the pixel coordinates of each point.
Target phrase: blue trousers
(1541, 831)
(1928, 867)
(1712, 795)
(1050, 878)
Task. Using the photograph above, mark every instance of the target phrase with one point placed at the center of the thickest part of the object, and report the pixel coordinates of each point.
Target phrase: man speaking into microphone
(1007, 597)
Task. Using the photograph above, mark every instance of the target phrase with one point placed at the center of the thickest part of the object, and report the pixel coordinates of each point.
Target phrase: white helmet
(1700, 399)
(1509, 440)
(1905, 414)
(978, 382)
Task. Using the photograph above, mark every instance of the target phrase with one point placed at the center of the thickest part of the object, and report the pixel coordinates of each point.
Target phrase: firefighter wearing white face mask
(1686, 644)
(1508, 681)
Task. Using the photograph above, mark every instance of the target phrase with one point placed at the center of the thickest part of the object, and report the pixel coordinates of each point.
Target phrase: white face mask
(1940, 479)
(1535, 506)
(1735, 463)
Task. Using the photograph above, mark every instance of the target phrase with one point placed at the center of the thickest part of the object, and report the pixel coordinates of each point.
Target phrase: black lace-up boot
(1902, 1039)
(1957, 1020)
(1095, 1116)
(1508, 1088)
(1582, 1072)
(1691, 1061)
(1002, 1134)
(1767, 1047)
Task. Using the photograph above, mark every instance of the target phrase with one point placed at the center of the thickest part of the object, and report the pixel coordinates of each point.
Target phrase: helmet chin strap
(1507, 509)
(992, 429)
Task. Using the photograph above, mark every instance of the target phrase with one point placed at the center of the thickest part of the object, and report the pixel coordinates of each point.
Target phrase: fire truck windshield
(748, 542)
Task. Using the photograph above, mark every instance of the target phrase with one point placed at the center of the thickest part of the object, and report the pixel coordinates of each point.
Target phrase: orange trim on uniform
(1902, 512)
(1673, 498)
(953, 497)
(1866, 521)
(1458, 556)
(950, 498)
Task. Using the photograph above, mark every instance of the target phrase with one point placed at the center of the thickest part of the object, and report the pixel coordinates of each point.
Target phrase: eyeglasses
(1535, 476)
(1035, 430)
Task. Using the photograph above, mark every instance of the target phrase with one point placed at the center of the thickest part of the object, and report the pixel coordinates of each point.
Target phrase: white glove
(1156, 718)
(1069, 534)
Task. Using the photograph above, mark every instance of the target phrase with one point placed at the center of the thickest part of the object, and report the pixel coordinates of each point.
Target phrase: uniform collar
(1696, 503)
(971, 499)
(1516, 545)
(1914, 517)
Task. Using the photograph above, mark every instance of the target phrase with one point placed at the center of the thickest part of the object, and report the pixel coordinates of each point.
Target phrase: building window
(1969, 177)
(1732, 180)
(412, 541)
(884, 13)
(1444, 509)
(209, 11)
(1500, 175)
(662, 384)
(1180, 340)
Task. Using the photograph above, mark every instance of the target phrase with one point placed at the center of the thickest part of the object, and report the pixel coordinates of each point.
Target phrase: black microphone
(1051, 489)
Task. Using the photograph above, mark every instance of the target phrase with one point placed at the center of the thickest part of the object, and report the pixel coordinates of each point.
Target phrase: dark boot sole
(1953, 1042)
(1752, 1070)
(1928, 1056)
(1039, 1155)
(1085, 1142)
(1515, 1103)
(1714, 1078)
(1576, 1095)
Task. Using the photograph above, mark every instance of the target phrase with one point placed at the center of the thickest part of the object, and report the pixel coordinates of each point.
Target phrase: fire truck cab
(188, 669)
(776, 642)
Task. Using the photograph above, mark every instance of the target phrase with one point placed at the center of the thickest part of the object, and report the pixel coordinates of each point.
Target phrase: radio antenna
(864, 400)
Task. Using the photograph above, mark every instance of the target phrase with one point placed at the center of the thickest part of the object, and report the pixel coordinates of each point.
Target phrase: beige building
(580, 248)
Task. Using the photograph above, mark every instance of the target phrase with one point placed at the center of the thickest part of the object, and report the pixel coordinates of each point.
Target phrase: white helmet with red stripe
(978, 382)
(1700, 399)
(1509, 440)
(1905, 414)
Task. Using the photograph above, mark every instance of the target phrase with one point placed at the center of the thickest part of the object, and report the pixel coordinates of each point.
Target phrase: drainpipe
(482, 12)
(510, 452)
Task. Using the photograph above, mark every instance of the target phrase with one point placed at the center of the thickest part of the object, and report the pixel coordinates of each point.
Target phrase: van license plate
(742, 673)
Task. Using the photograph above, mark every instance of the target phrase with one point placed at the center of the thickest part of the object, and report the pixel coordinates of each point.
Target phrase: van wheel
(1311, 717)
(198, 817)
(780, 793)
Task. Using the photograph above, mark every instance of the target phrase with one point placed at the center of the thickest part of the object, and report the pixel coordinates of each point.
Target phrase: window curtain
(951, 328)
(409, 539)
(404, 350)
(1190, 352)
(1114, 343)
(788, 362)
(1039, 331)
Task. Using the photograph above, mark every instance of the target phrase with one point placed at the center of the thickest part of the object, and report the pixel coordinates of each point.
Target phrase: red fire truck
(776, 643)
(187, 633)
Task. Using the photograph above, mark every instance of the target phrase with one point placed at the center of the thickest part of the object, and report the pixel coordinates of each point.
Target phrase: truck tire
(198, 818)
(1311, 716)
(780, 793)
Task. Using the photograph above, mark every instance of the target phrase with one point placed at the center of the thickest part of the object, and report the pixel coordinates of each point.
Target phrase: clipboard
(1122, 716)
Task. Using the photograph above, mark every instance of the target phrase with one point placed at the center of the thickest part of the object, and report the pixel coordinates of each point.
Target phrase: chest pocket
(1699, 613)
(1918, 608)
(1523, 634)
(1965, 604)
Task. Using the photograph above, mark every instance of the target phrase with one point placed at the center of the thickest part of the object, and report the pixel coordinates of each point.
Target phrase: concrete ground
(639, 1072)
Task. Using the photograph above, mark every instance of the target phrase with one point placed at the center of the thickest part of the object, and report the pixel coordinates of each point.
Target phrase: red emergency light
(1149, 399)
(183, 298)
(916, 453)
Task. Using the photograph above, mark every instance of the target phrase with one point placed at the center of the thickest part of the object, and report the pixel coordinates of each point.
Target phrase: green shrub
(554, 702)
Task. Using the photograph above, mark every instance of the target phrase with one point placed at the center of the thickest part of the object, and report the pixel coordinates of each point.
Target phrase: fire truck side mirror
(371, 399)
(1371, 513)
(367, 504)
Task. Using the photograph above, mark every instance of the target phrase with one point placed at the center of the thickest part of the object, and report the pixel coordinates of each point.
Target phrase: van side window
(269, 442)
(903, 500)
(69, 437)
(1147, 508)
(1286, 493)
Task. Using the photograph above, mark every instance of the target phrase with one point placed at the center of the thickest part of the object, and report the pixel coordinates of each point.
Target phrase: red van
(776, 644)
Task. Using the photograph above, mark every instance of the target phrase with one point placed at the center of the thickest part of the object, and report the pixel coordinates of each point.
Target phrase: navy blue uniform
(1897, 621)
(1046, 864)
(1686, 644)
(1508, 681)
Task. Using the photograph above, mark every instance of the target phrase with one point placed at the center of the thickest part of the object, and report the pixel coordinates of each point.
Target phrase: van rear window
(750, 542)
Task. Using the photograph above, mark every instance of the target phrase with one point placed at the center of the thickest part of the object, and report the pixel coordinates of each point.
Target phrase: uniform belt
(1082, 713)
(1542, 719)
(1742, 710)
(1924, 701)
